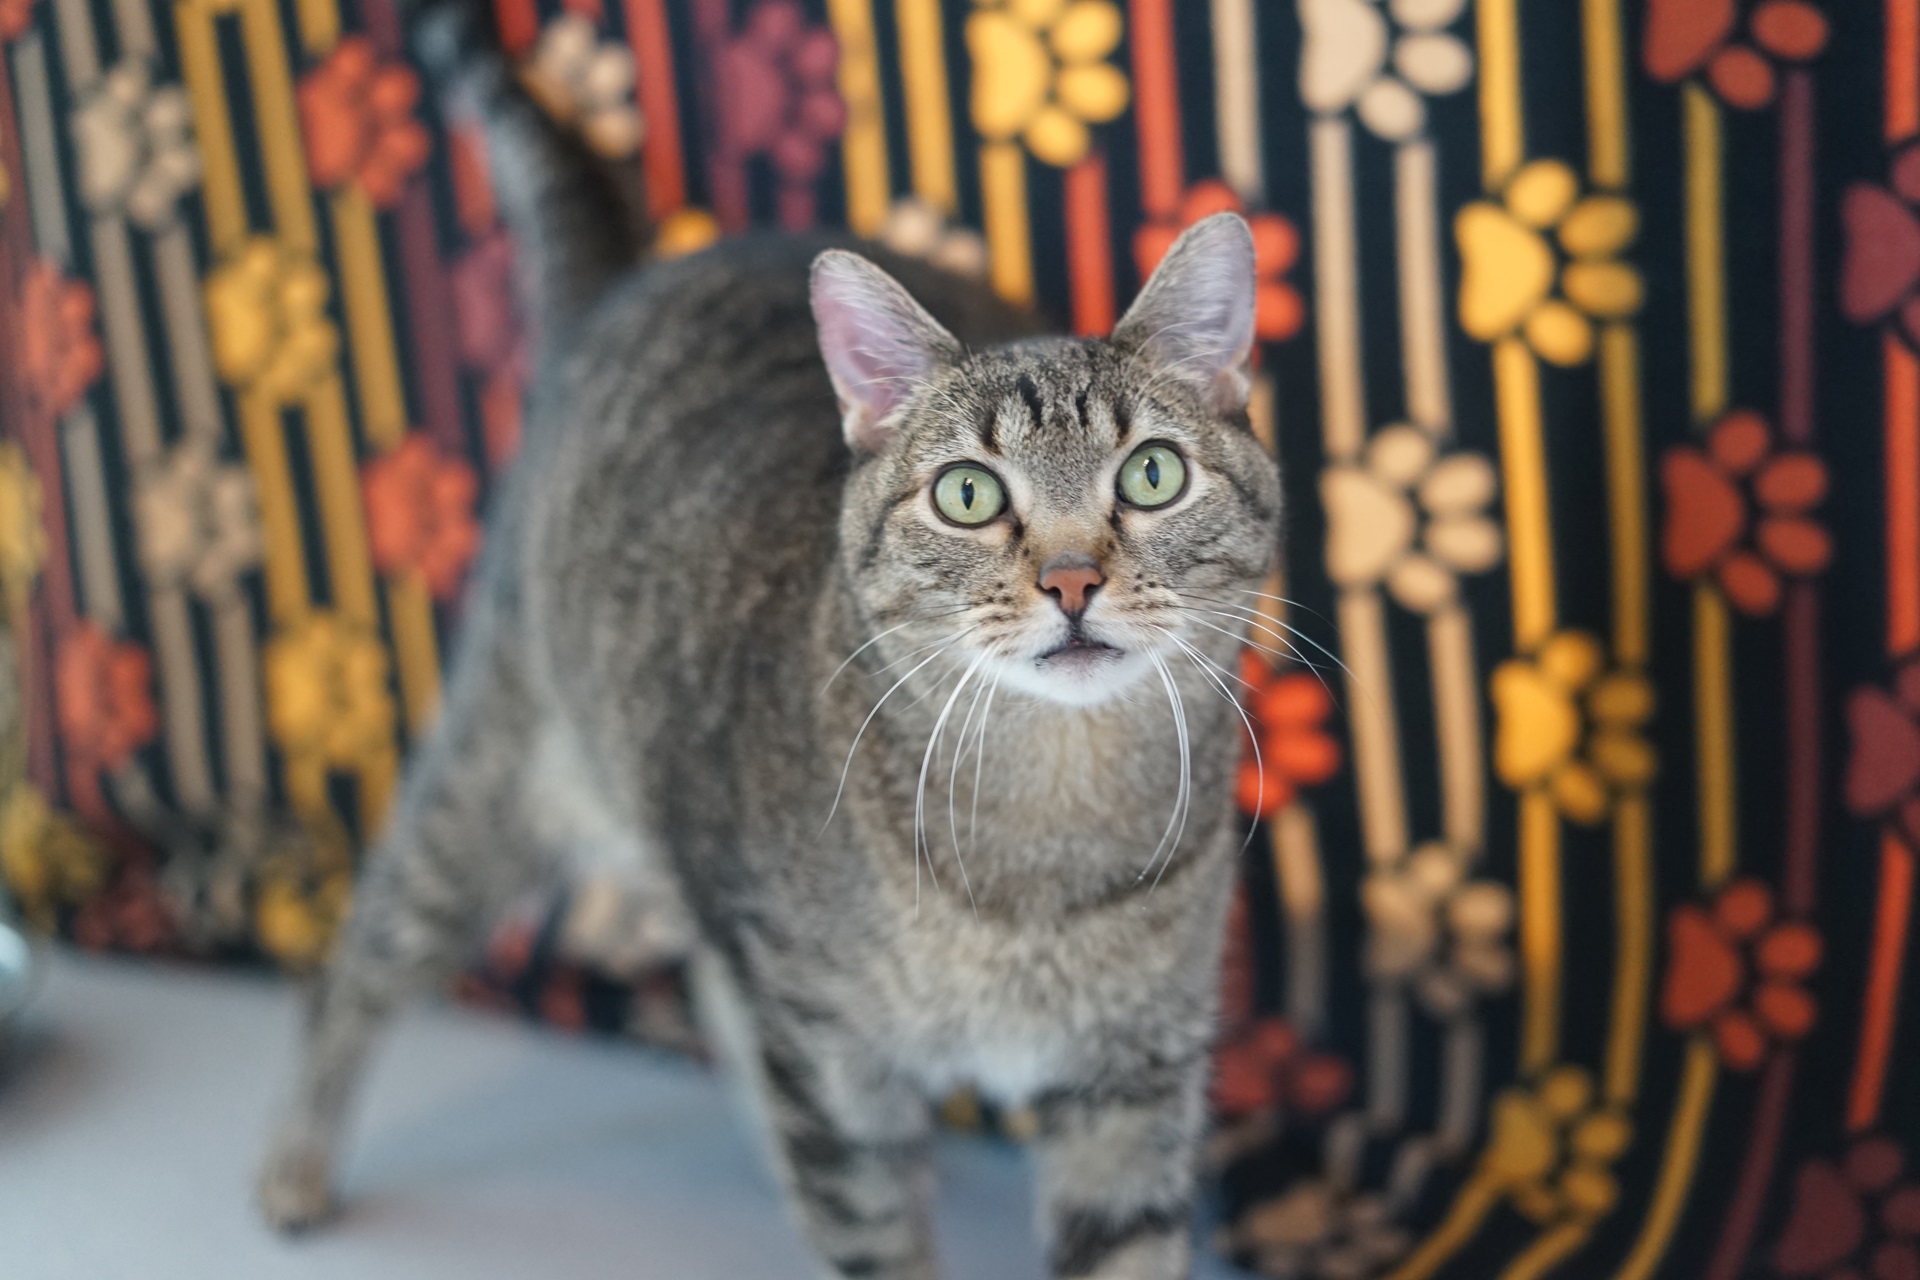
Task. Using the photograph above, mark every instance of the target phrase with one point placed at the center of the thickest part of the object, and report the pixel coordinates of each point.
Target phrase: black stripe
(1080, 407)
(1085, 1238)
(871, 552)
(1031, 394)
(1122, 422)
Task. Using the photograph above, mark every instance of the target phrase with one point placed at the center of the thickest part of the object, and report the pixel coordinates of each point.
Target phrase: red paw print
(1688, 36)
(357, 114)
(1734, 969)
(1267, 1066)
(1278, 309)
(1712, 523)
(1880, 270)
(780, 96)
(1883, 770)
(1289, 713)
(1853, 1220)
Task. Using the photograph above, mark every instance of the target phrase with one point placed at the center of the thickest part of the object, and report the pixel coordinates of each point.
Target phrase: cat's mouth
(1078, 652)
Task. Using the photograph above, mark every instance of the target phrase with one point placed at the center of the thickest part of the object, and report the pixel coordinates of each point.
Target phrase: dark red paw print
(1733, 969)
(1855, 1220)
(1267, 1066)
(1740, 511)
(1688, 37)
(1880, 270)
(780, 98)
(1883, 769)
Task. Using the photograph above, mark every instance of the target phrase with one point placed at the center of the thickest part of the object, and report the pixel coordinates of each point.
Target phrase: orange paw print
(357, 114)
(1739, 510)
(1568, 725)
(1267, 1066)
(1289, 713)
(1854, 1218)
(1685, 36)
(1735, 969)
(1278, 309)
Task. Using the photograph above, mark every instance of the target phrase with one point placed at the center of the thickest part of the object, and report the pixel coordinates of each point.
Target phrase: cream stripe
(1389, 1049)
(1423, 326)
(185, 725)
(1456, 714)
(98, 579)
(1343, 405)
(133, 25)
(79, 57)
(41, 157)
(923, 73)
(1303, 897)
(1465, 1055)
(1236, 99)
(113, 276)
(241, 721)
(1374, 726)
(186, 334)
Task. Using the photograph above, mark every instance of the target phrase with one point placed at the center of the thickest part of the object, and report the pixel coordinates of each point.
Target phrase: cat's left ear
(1194, 319)
(878, 343)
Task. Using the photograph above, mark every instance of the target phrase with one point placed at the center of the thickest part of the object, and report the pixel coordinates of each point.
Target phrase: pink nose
(1071, 580)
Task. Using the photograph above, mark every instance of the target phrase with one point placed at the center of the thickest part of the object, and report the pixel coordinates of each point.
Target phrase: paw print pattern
(1566, 725)
(1041, 73)
(1442, 934)
(587, 82)
(1685, 37)
(1880, 272)
(328, 695)
(919, 230)
(267, 318)
(1513, 280)
(23, 537)
(1354, 58)
(1883, 765)
(1853, 1220)
(1267, 1066)
(1737, 971)
(357, 113)
(1552, 1149)
(134, 145)
(1411, 516)
(1289, 713)
(1316, 1231)
(60, 352)
(781, 100)
(1278, 309)
(1739, 511)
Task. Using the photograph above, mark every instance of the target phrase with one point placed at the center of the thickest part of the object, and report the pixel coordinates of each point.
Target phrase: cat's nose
(1071, 578)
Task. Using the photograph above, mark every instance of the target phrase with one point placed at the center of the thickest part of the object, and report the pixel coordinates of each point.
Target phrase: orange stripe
(1903, 69)
(1089, 237)
(1903, 497)
(661, 158)
(1156, 108)
(1894, 913)
(519, 24)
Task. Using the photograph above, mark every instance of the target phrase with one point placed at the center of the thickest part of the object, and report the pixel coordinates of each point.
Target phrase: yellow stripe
(1541, 943)
(363, 296)
(1549, 1251)
(410, 611)
(1713, 712)
(319, 24)
(1470, 1208)
(1706, 266)
(1606, 94)
(1503, 140)
(1003, 196)
(337, 482)
(281, 151)
(923, 73)
(266, 448)
(1626, 465)
(377, 773)
(863, 144)
(1690, 1112)
(1633, 946)
(226, 208)
(1523, 461)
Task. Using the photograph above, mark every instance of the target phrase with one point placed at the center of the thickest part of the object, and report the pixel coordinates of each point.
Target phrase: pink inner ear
(877, 342)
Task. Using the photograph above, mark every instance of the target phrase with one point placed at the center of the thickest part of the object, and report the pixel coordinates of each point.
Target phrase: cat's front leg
(1116, 1165)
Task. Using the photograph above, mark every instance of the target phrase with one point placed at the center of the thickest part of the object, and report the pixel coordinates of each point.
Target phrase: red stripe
(429, 300)
(1903, 69)
(519, 24)
(1730, 1255)
(1796, 258)
(664, 161)
(1892, 916)
(1903, 496)
(1800, 635)
(1089, 247)
(1156, 107)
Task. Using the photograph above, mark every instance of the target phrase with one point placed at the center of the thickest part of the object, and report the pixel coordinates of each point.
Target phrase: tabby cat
(891, 645)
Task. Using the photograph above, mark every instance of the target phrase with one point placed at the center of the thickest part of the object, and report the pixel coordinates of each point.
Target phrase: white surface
(131, 1118)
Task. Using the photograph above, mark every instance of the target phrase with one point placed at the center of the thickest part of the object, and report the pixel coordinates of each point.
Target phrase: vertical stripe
(1460, 1073)
(428, 297)
(1374, 725)
(1671, 1185)
(1540, 931)
(1502, 131)
(1516, 379)
(1796, 258)
(79, 58)
(1089, 246)
(1713, 718)
(364, 302)
(1387, 1053)
(863, 143)
(1003, 195)
(224, 208)
(1156, 107)
(519, 22)
(1553, 1247)
(319, 25)
(923, 76)
(41, 153)
(1903, 495)
(415, 654)
(195, 391)
(1336, 270)
(1606, 72)
(1456, 715)
(97, 575)
(1626, 492)
(261, 435)
(1423, 325)
(662, 157)
(1706, 272)
(336, 478)
(1236, 98)
(1903, 69)
(1477, 1198)
(282, 154)
(241, 719)
(1633, 907)
(1893, 913)
(1303, 901)
(1735, 1245)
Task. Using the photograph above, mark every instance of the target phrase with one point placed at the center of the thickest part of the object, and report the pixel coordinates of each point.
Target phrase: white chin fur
(1076, 682)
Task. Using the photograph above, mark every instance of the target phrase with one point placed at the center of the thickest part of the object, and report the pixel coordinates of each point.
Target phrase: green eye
(969, 495)
(1154, 476)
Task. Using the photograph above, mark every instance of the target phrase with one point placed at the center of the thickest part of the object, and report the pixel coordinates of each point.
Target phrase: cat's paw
(296, 1186)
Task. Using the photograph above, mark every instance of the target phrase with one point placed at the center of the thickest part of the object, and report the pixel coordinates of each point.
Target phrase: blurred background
(1575, 933)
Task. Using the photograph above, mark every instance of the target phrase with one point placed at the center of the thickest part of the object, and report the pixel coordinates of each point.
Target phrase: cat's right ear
(878, 344)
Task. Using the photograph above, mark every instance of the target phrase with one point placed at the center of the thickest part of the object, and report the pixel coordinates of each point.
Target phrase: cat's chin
(1078, 675)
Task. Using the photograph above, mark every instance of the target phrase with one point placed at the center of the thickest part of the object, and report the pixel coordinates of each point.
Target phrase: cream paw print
(1569, 726)
(1041, 73)
(1384, 71)
(1442, 934)
(134, 144)
(1544, 263)
(1410, 516)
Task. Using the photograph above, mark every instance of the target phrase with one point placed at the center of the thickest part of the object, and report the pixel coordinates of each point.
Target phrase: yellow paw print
(327, 691)
(1552, 1148)
(1510, 266)
(267, 317)
(1567, 727)
(295, 919)
(23, 539)
(48, 863)
(1040, 73)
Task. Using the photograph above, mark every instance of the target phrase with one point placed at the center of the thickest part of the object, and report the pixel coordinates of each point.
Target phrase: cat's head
(1065, 510)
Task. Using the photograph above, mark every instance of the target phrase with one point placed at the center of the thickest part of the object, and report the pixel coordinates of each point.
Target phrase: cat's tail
(576, 218)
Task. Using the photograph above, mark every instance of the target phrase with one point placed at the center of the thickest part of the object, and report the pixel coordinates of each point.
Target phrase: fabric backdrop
(1576, 923)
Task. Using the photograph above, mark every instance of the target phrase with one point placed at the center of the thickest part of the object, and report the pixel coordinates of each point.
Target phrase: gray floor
(131, 1114)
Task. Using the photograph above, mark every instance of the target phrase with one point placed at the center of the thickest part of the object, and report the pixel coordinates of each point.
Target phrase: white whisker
(1177, 822)
(920, 795)
(847, 768)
